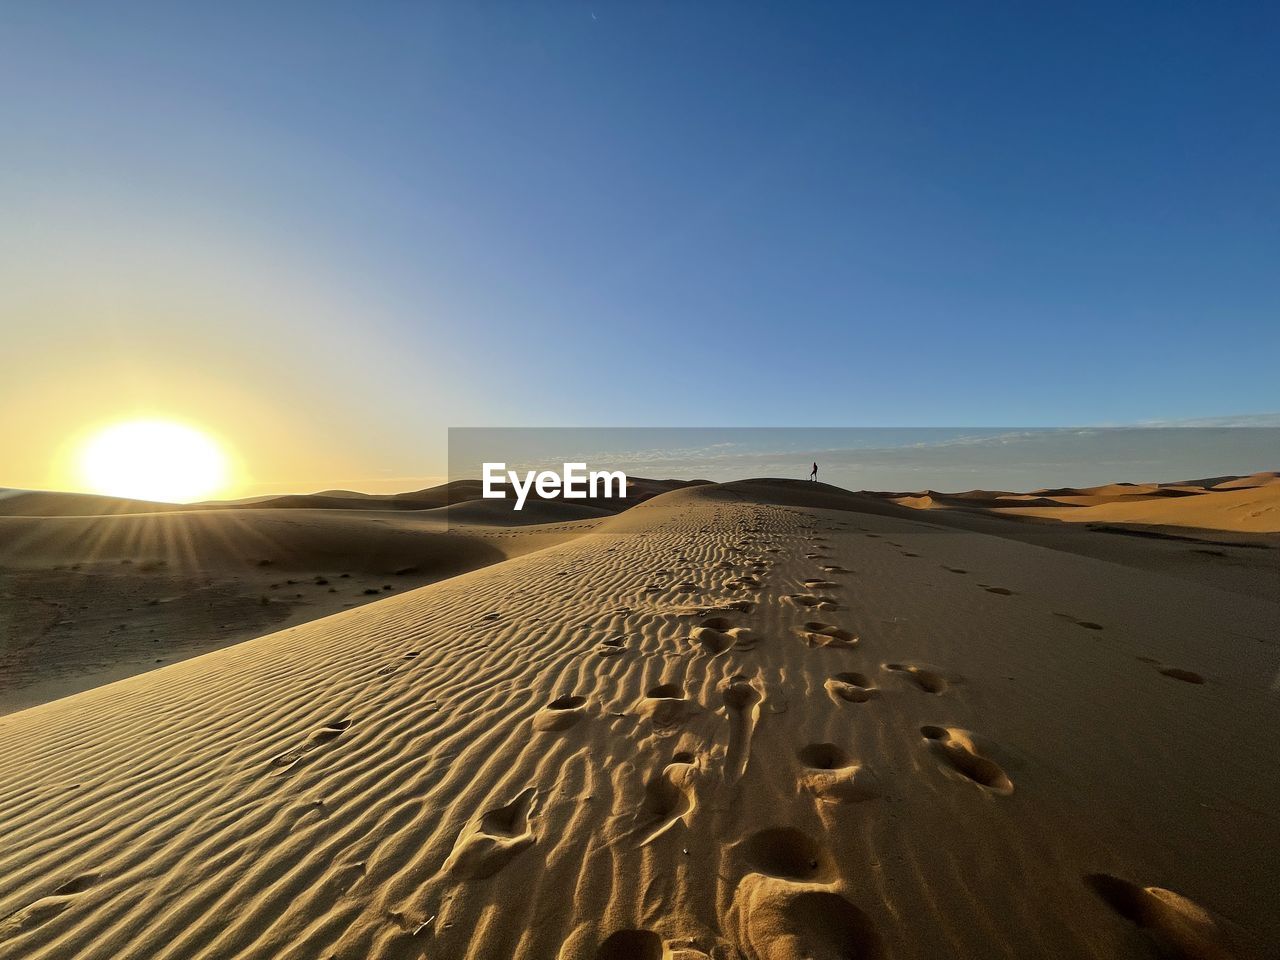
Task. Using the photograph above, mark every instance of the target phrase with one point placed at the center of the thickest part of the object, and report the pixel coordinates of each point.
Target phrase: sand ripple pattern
(611, 748)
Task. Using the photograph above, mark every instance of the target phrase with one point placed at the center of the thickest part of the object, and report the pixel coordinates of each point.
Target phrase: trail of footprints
(1164, 669)
(788, 900)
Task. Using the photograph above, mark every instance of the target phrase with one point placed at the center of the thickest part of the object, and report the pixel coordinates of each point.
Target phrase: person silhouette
(813, 474)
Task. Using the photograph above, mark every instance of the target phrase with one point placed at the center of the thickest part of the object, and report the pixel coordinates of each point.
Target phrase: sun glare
(154, 460)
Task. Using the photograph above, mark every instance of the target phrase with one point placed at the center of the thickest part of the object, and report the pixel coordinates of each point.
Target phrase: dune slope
(87, 600)
(1200, 508)
(752, 721)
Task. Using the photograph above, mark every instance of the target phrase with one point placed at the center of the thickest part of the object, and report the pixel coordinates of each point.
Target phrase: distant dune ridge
(761, 720)
(1231, 504)
(99, 588)
(44, 503)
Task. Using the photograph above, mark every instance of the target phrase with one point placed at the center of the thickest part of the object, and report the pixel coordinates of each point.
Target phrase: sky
(325, 233)
(880, 458)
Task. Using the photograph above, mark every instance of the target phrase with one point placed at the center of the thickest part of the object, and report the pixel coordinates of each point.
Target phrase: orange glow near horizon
(154, 459)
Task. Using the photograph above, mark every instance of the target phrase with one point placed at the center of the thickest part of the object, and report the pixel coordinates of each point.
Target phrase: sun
(154, 460)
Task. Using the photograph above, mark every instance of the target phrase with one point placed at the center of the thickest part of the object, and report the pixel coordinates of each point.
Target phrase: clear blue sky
(399, 216)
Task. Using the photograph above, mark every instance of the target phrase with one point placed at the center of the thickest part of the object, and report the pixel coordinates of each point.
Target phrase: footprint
(956, 749)
(1176, 673)
(1186, 676)
(665, 706)
(46, 908)
(812, 600)
(668, 798)
(831, 776)
(76, 884)
(742, 706)
(631, 945)
(490, 840)
(711, 641)
(329, 731)
(561, 713)
(923, 678)
(716, 641)
(850, 688)
(1180, 927)
(1087, 624)
(611, 647)
(818, 634)
(788, 854)
(779, 920)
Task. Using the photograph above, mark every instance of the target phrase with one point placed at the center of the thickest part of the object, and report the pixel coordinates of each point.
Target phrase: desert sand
(85, 600)
(767, 720)
(94, 589)
(1241, 505)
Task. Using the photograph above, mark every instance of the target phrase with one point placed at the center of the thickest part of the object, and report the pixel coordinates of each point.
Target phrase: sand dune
(499, 513)
(1247, 505)
(1230, 509)
(46, 503)
(635, 743)
(50, 503)
(93, 588)
(85, 600)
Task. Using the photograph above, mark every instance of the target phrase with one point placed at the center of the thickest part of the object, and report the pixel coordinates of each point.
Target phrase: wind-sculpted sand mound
(637, 744)
(1240, 505)
(49, 503)
(87, 600)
